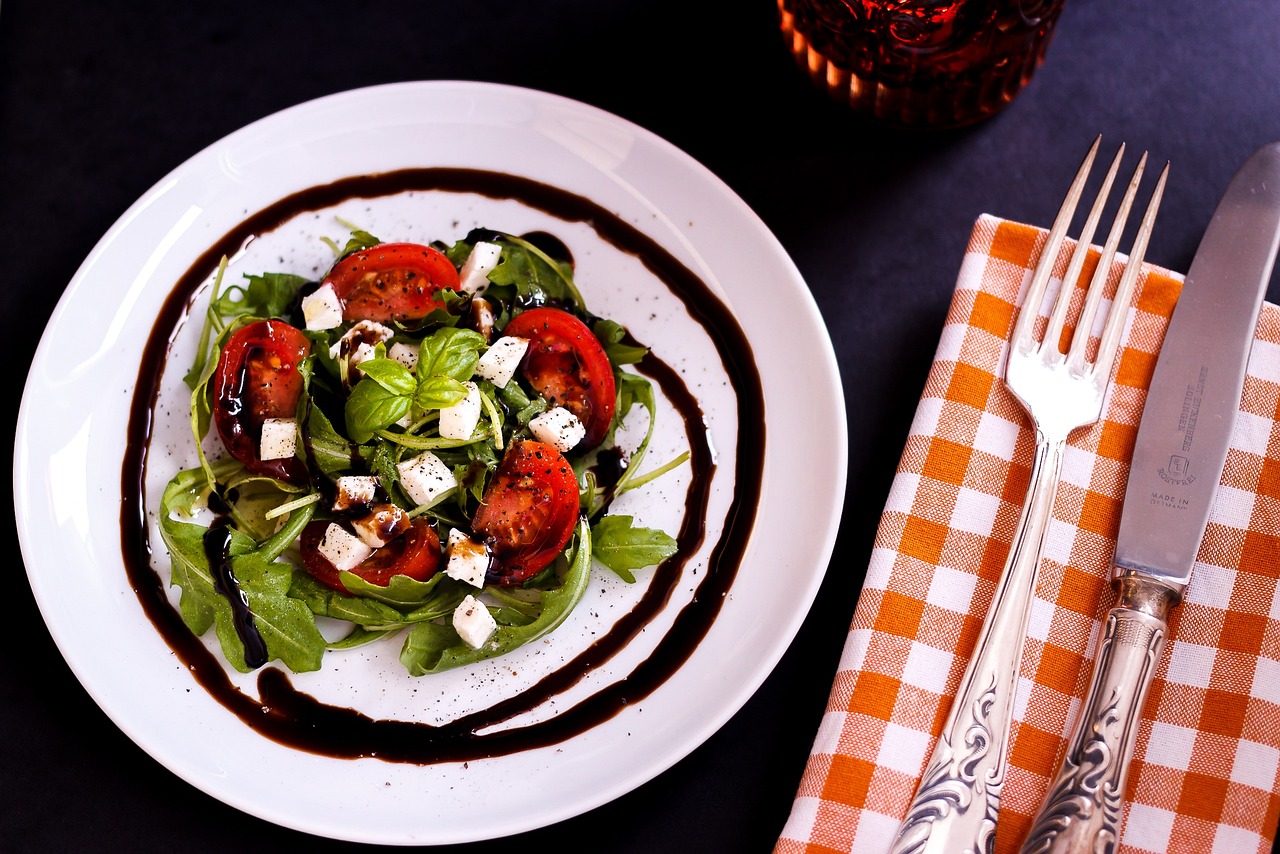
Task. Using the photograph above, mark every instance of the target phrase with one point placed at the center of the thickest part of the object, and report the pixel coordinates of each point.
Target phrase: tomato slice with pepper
(392, 282)
(415, 553)
(566, 363)
(529, 511)
(257, 378)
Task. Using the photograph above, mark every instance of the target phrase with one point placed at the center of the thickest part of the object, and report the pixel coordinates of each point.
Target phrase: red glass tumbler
(920, 63)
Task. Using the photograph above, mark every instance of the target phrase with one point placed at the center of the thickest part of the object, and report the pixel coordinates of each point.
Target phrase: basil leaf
(371, 408)
(622, 547)
(389, 374)
(439, 392)
(450, 352)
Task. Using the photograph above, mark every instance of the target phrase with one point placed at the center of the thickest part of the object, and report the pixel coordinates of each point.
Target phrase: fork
(956, 804)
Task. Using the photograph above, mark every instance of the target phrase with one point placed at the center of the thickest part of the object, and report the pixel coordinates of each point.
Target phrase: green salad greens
(423, 443)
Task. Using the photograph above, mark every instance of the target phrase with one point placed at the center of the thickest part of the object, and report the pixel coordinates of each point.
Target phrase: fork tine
(1110, 343)
(1049, 255)
(1080, 341)
(1053, 333)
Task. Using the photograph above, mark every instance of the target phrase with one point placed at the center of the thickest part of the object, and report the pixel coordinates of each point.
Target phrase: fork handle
(955, 806)
(1081, 813)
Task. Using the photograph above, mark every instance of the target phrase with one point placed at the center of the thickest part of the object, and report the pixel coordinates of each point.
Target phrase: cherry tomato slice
(257, 378)
(392, 282)
(529, 511)
(567, 364)
(415, 553)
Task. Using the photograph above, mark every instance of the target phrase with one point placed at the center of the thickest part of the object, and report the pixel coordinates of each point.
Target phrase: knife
(1178, 457)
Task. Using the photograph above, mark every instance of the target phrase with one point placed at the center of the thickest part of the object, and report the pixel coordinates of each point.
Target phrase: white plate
(72, 426)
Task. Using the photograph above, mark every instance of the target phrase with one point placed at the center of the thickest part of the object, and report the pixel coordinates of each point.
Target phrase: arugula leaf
(402, 591)
(359, 239)
(622, 547)
(535, 275)
(331, 452)
(613, 335)
(266, 295)
(212, 327)
(434, 648)
(286, 624)
(324, 601)
(360, 636)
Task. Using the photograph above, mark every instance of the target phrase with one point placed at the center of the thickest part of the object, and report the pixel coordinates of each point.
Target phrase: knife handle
(1081, 813)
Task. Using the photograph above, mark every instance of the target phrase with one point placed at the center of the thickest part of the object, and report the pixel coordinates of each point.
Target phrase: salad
(424, 443)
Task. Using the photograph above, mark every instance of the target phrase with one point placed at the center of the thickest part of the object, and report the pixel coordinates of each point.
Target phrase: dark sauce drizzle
(217, 549)
(298, 720)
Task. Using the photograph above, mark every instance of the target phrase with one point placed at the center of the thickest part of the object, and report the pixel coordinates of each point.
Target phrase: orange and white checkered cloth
(1205, 769)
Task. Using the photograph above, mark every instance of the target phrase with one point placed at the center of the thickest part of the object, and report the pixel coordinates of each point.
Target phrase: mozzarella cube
(279, 439)
(322, 309)
(405, 354)
(498, 364)
(383, 524)
(357, 345)
(362, 353)
(459, 421)
(473, 278)
(342, 548)
(425, 478)
(558, 427)
(354, 491)
(468, 560)
(473, 622)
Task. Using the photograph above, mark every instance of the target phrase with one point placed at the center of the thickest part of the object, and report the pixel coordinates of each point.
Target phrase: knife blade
(1179, 454)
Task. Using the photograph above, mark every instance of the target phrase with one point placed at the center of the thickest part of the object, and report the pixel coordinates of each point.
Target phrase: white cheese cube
(279, 439)
(405, 354)
(383, 524)
(354, 491)
(558, 427)
(425, 478)
(498, 364)
(459, 421)
(357, 345)
(473, 278)
(362, 353)
(473, 622)
(342, 548)
(468, 560)
(322, 309)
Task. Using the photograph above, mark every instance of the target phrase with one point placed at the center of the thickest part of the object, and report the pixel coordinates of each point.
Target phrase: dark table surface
(99, 101)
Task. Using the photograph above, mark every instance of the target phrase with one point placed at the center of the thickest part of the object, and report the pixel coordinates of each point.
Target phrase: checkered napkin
(1204, 773)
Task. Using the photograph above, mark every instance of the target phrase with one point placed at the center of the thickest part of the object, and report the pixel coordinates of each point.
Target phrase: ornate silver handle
(1081, 814)
(955, 805)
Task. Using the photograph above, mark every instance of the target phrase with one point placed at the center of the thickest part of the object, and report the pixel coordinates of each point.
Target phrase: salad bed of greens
(422, 443)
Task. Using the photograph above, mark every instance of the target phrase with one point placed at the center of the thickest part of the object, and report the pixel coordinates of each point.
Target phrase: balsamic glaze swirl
(298, 720)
